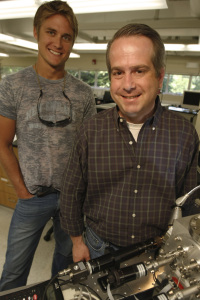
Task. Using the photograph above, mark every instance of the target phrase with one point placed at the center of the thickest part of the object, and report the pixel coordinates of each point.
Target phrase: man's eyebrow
(50, 28)
(131, 67)
(116, 68)
(67, 34)
(140, 67)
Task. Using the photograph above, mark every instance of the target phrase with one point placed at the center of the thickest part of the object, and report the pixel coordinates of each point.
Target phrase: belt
(45, 190)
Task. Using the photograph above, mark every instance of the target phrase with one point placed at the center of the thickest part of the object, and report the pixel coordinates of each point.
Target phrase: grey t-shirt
(43, 151)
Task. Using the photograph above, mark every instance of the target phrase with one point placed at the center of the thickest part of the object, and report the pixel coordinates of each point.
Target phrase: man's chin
(129, 114)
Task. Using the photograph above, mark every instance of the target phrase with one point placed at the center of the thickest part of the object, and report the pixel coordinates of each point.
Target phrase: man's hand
(80, 251)
(25, 195)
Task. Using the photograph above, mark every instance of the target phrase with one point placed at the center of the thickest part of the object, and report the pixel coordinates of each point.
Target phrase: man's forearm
(11, 166)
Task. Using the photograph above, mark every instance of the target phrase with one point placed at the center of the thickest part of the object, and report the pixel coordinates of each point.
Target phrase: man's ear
(35, 33)
(161, 77)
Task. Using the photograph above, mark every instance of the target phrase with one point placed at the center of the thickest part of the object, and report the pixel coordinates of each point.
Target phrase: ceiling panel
(180, 23)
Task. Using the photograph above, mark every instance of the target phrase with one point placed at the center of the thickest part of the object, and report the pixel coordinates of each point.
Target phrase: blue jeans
(95, 244)
(28, 221)
(97, 247)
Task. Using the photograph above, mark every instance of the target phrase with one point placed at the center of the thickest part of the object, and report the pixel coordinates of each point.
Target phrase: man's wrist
(76, 240)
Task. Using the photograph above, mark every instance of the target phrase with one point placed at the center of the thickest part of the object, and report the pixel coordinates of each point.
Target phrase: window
(74, 73)
(178, 83)
(165, 84)
(173, 84)
(88, 77)
(103, 79)
(9, 70)
(195, 83)
(98, 79)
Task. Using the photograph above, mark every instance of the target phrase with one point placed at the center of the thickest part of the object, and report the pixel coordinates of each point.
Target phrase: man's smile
(131, 97)
(55, 53)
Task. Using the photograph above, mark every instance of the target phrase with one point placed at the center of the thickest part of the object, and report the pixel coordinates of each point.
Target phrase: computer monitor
(107, 97)
(191, 100)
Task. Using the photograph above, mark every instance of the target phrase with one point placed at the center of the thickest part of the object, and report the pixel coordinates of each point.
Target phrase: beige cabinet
(8, 195)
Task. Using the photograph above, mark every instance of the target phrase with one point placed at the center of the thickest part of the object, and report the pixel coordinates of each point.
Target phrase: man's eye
(51, 32)
(117, 73)
(140, 73)
(67, 38)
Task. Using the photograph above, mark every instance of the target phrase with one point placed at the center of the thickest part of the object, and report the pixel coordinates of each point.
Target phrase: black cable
(48, 285)
(64, 282)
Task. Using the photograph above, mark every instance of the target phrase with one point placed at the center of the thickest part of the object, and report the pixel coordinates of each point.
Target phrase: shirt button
(133, 215)
(135, 191)
(131, 143)
(132, 236)
(121, 120)
(138, 166)
(153, 128)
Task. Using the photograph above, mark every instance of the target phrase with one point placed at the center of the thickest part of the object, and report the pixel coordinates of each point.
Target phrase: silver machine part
(176, 269)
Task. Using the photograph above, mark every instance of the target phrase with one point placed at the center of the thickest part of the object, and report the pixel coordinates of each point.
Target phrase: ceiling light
(17, 42)
(74, 55)
(174, 47)
(89, 46)
(17, 9)
(95, 6)
(3, 55)
(27, 8)
(182, 47)
(24, 43)
(168, 47)
(193, 47)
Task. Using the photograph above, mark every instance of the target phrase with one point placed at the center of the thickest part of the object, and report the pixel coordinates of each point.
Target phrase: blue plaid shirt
(126, 189)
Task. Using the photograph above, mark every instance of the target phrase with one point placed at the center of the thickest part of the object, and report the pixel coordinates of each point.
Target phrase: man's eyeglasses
(60, 123)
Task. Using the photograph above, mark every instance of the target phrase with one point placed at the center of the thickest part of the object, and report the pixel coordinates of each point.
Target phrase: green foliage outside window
(88, 77)
(195, 83)
(103, 79)
(9, 70)
(74, 73)
(178, 83)
(164, 86)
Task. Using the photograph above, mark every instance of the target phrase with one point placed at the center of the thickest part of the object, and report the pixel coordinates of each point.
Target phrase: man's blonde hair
(57, 7)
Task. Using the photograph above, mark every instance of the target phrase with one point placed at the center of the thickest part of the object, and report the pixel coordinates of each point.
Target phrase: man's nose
(58, 42)
(129, 82)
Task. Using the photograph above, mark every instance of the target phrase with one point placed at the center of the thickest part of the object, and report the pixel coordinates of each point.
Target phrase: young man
(42, 105)
(130, 163)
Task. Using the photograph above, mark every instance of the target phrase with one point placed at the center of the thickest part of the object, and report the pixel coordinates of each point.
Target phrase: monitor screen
(107, 97)
(191, 99)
